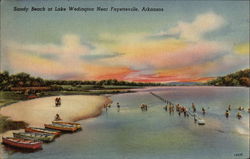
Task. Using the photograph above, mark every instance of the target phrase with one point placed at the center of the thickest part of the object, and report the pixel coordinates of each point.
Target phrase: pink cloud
(192, 54)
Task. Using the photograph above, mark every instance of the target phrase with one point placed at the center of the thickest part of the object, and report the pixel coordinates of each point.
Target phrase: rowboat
(22, 143)
(77, 125)
(35, 136)
(61, 127)
(42, 130)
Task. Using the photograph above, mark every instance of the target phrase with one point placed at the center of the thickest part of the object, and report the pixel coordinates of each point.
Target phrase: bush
(8, 124)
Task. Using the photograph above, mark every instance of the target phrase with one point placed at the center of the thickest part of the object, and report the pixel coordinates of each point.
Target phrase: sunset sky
(188, 41)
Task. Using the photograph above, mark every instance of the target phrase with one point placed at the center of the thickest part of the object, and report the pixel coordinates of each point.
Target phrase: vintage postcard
(124, 79)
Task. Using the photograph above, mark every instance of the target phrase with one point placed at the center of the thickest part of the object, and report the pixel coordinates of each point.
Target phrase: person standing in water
(239, 116)
(194, 108)
(195, 117)
(227, 113)
(106, 108)
(118, 107)
(166, 108)
(203, 111)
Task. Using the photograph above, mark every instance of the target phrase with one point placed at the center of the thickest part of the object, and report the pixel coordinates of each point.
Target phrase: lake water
(133, 134)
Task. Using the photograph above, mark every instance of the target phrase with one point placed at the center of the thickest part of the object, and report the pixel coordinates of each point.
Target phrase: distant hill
(240, 78)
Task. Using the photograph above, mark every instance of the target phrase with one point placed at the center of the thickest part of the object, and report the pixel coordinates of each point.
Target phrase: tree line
(240, 78)
(22, 79)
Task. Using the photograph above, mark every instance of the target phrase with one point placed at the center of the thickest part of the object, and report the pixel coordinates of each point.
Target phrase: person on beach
(58, 101)
(229, 107)
(57, 117)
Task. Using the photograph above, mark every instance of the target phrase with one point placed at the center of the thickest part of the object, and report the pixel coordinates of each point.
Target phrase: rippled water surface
(132, 134)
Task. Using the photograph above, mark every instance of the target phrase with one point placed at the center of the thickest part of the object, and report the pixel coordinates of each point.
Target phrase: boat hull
(20, 143)
(61, 128)
(77, 125)
(30, 129)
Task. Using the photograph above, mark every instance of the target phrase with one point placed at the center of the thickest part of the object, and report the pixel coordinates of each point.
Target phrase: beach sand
(40, 111)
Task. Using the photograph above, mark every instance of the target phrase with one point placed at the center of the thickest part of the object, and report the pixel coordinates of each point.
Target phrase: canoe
(35, 136)
(22, 143)
(77, 125)
(42, 130)
(61, 127)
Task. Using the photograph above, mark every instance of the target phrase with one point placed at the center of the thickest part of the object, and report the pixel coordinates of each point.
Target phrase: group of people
(169, 107)
(57, 101)
(238, 115)
(181, 109)
(106, 106)
(144, 107)
(178, 108)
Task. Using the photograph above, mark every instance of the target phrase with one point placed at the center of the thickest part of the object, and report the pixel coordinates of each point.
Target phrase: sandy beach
(39, 111)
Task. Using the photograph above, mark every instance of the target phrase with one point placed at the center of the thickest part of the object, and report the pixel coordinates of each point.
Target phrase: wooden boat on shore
(42, 130)
(35, 136)
(68, 123)
(22, 143)
(61, 127)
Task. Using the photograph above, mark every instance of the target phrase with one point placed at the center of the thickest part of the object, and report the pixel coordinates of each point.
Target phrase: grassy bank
(9, 97)
(8, 124)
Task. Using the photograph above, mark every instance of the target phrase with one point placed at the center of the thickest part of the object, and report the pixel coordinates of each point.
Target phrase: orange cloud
(169, 53)
(99, 72)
